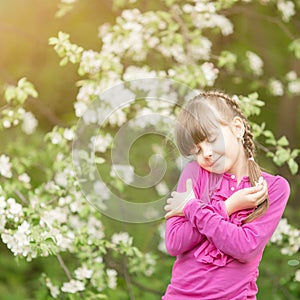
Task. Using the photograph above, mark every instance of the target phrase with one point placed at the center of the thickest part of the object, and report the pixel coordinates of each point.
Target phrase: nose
(206, 150)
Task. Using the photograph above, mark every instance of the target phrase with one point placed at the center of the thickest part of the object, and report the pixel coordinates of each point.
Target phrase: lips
(210, 165)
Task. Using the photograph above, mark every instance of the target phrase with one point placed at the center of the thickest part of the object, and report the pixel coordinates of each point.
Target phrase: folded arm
(241, 242)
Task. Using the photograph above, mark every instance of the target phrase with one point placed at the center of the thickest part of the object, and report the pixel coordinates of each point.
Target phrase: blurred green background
(25, 27)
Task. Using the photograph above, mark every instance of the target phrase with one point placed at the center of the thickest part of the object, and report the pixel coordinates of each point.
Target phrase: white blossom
(56, 138)
(210, 73)
(83, 273)
(19, 242)
(65, 242)
(150, 261)
(24, 178)
(100, 143)
(287, 9)
(133, 72)
(80, 109)
(61, 179)
(91, 62)
(297, 276)
(58, 216)
(118, 117)
(255, 63)
(54, 290)
(276, 87)
(6, 123)
(14, 210)
(73, 286)
(290, 76)
(124, 172)
(69, 134)
(162, 243)
(5, 166)
(95, 228)
(101, 188)
(294, 87)
(112, 278)
(282, 228)
(122, 237)
(162, 188)
(211, 20)
(29, 123)
(200, 50)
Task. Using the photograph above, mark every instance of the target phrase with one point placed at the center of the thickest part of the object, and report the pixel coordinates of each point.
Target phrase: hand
(177, 202)
(247, 198)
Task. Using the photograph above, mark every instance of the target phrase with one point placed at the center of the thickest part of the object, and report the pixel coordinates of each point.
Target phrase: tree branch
(62, 264)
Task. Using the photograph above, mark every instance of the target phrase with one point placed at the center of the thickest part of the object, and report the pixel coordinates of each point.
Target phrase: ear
(238, 127)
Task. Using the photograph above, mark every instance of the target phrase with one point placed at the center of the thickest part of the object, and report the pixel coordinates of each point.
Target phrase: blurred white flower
(56, 138)
(124, 172)
(287, 9)
(69, 134)
(162, 188)
(133, 72)
(95, 228)
(54, 290)
(290, 76)
(61, 179)
(112, 278)
(118, 117)
(210, 73)
(294, 87)
(201, 50)
(91, 62)
(162, 243)
(14, 210)
(297, 276)
(276, 87)
(73, 286)
(83, 273)
(29, 123)
(101, 189)
(19, 242)
(255, 63)
(80, 109)
(5, 166)
(6, 124)
(122, 237)
(100, 143)
(24, 178)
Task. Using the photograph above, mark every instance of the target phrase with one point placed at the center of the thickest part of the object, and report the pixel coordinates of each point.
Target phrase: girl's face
(222, 152)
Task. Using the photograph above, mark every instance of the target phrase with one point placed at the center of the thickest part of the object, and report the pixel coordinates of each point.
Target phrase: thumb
(189, 185)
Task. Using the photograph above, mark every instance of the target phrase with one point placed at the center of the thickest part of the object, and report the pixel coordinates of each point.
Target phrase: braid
(249, 147)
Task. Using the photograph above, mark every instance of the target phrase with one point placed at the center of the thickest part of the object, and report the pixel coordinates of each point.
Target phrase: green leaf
(283, 141)
(293, 166)
(10, 93)
(295, 47)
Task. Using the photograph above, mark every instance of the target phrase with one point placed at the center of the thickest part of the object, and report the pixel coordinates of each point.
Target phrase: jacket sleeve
(241, 242)
(181, 235)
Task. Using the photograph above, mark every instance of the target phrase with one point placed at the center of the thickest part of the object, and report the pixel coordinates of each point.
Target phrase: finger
(251, 190)
(169, 200)
(167, 207)
(173, 193)
(189, 185)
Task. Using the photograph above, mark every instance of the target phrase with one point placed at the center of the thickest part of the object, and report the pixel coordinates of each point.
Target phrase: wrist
(228, 207)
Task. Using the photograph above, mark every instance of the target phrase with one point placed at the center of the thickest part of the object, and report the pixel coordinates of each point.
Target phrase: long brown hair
(196, 123)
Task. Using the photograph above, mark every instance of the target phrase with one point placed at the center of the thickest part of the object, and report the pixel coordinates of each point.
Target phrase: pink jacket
(217, 256)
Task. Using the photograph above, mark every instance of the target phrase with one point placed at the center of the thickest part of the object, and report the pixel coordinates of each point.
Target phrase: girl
(219, 231)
